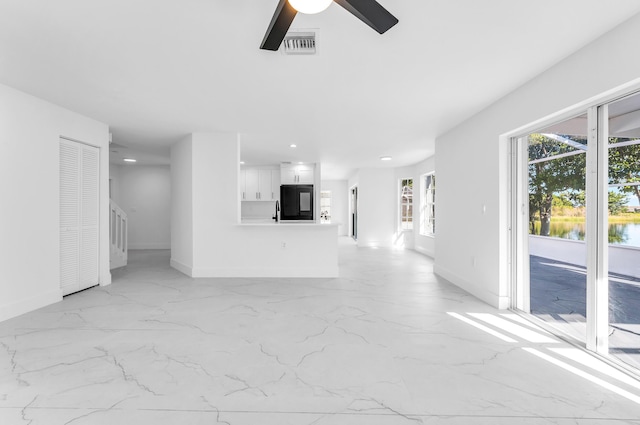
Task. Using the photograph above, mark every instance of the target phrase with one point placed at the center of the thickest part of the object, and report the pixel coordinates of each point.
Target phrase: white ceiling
(156, 70)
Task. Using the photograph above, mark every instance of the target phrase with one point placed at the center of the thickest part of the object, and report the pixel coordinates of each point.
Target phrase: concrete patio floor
(558, 296)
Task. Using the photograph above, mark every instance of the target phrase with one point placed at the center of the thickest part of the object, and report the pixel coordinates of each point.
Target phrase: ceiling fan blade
(371, 13)
(279, 26)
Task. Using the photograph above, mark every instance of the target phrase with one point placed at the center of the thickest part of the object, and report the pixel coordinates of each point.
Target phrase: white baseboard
(486, 296)
(182, 268)
(197, 272)
(150, 245)
(14, 309)
(423, 251)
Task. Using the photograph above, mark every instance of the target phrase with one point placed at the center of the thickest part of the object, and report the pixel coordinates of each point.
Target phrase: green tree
(624, 166)
(546, 178)
(562, 179)
(617, 202)
(562, 200)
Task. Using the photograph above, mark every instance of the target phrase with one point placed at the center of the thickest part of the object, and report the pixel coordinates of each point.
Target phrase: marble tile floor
(386, 343)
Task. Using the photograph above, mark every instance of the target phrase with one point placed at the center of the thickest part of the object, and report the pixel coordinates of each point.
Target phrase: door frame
(353, 212)
(99, 213)
(516, 210)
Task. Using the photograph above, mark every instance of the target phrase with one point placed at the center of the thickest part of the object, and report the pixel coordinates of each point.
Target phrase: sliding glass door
(576, 227)
(555, 178)
(623, 157)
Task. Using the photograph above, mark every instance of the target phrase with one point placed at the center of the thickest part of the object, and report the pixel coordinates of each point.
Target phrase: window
(406, 204)
(325, 206)
(428, 225)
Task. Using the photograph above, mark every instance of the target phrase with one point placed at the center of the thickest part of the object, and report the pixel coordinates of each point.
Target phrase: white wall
(339, 203)
(144, 193)
(377, 206)
(29, 191)
(473, 198)
(207, 237)
(379, 212)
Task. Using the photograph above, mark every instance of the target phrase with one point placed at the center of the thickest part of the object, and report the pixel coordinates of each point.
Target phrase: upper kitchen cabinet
(297, 174)
(258, 184)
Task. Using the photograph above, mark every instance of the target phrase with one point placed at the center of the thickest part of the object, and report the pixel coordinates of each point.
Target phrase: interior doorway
(354, 212)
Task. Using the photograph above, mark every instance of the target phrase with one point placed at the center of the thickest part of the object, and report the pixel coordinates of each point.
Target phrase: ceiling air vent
(300, 43)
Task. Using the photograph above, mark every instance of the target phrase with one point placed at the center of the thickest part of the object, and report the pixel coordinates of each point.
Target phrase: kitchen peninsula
(208, 236)
(301, 247)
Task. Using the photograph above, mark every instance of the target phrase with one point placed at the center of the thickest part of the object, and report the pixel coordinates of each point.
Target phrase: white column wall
(216, 167)
(182, 206)
(472, 177)
(377, 206)
(30, 132)
(114, 178)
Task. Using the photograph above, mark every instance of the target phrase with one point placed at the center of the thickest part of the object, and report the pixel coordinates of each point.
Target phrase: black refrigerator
(296, 202)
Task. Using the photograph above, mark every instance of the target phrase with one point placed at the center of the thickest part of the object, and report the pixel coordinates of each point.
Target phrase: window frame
(428, 205)
(405, 221)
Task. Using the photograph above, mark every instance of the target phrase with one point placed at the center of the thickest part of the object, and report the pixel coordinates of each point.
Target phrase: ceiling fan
(368, 11)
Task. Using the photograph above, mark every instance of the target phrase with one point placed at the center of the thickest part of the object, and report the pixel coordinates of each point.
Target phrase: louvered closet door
(79, 183)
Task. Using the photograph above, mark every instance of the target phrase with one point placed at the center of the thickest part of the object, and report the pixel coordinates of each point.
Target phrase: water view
(619, 233)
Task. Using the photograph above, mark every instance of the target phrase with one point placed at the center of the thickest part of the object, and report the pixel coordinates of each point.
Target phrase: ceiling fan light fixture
(310, 7)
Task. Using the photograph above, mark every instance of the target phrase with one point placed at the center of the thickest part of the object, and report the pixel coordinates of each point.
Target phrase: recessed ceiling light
(293, 145)
(241, 162)
(385, 158)
(129, 160)
(300, 162)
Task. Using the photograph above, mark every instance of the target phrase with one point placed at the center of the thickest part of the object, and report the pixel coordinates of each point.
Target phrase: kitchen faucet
(275, 217)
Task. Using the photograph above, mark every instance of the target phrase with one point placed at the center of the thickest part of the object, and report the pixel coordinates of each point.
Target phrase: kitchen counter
(282, 249)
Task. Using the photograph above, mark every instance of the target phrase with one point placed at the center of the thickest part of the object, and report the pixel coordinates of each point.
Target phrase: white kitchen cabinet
(297, 174)
(265, 192)
(252, 185)
(275, 184)
(258, 184)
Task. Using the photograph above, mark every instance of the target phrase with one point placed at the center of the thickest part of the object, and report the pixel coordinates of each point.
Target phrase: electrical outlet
(284, 244)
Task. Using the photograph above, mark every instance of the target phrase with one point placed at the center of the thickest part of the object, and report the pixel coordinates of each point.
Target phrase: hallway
(387, 343)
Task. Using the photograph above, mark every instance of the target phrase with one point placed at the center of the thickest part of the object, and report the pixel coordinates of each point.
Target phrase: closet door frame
(79, 270)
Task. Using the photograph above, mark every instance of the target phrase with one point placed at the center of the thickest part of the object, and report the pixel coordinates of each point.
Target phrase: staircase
(118, 236)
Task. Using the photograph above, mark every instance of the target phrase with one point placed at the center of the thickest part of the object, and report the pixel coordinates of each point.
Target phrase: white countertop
(272, 222)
